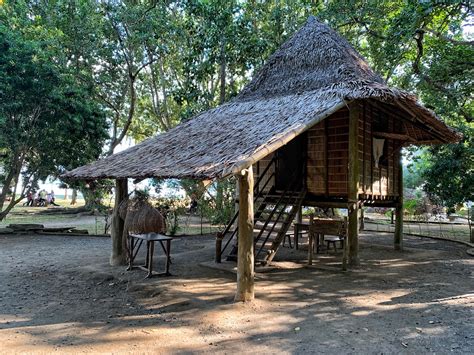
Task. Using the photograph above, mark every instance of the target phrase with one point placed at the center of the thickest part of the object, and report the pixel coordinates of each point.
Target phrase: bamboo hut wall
(327, 164)
(328, 144)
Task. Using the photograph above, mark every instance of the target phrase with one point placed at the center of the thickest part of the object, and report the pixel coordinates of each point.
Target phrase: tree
(450, 176)
(48, 122)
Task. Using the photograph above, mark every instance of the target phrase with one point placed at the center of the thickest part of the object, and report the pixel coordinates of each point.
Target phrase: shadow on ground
(58, 293)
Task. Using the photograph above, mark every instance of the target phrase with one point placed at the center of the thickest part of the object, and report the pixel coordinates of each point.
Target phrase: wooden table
(320, 228)
(136, 241)
(320, 231)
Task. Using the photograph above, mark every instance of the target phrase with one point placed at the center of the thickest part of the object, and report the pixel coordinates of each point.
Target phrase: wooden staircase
(274, 213)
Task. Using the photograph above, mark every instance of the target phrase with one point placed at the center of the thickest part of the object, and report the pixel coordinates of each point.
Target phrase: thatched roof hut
(312, 75)
(324, 128)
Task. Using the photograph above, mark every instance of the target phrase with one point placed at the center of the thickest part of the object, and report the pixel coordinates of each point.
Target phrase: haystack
(141, 217)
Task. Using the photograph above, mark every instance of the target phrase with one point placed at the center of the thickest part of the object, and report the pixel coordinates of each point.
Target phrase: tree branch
(446, 38)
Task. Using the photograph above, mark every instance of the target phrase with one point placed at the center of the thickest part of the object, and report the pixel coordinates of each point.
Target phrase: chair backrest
(328, 226)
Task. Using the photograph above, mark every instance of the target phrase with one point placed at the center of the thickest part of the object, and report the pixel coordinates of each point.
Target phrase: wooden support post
(398, 238)
(353, 184)
(311, 240)
(245, 254)
(345, 246)
(118, 256)
(362, 223)
(299, 218)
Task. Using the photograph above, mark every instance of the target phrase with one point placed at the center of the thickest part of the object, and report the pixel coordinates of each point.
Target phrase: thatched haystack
(141, 217)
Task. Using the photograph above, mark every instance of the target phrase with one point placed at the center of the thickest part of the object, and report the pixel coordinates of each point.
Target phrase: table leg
(147, 258)
(168, 257)
(130, 252)
(151, 250)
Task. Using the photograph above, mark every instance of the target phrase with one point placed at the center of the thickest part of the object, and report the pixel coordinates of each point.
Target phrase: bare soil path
(58, 295)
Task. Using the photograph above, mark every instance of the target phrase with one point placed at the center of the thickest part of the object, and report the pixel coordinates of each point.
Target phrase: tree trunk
(245, 255)
(222, 72)
(470, 213)
(118, 255)
(74, 197)
(353, 186)
(116, 140)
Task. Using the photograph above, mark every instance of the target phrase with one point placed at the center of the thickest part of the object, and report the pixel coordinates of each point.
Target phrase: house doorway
(290, 163)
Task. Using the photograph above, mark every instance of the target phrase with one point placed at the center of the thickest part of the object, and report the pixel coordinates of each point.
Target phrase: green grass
(20, 214)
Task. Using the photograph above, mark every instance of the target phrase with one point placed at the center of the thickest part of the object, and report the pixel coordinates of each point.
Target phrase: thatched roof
(315, 73)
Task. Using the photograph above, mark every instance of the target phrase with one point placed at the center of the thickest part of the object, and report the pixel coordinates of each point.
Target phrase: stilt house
(315, 127)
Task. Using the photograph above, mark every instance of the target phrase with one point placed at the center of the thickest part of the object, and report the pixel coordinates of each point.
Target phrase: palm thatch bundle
(314, 74)
(141, 217)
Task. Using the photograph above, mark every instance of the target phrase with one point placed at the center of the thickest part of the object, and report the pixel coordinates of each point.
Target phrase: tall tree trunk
(117, 138)
(74, 197)
(222, 70)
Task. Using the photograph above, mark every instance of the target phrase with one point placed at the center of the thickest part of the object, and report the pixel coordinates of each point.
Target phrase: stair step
(272, 224)
(272, 236)
(274, 214)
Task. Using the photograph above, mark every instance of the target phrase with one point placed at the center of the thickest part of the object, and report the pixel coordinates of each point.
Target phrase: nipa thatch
(315, 73)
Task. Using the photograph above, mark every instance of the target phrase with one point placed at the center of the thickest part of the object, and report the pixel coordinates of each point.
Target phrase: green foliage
(48, 121)
(411, 206)
(172, 207)
(149, 65)
(218, 204)
(450, 175)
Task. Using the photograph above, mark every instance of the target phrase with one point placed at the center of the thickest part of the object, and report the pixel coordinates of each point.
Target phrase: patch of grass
(21, 214)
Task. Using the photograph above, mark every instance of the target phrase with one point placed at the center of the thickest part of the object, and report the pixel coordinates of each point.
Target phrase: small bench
(136, 241)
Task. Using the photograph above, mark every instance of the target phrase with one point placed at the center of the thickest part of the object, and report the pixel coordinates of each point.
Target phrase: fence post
(470, 215)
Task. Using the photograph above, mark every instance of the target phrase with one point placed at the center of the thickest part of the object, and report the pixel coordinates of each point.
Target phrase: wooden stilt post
(118, 256)
(353, 184)
(299, 218)
(361, 224)
(398, 238)
(345, 246)
(311, 240)
(245, 254)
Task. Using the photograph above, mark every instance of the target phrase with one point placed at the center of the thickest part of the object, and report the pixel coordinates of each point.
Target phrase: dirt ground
(59, 295)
